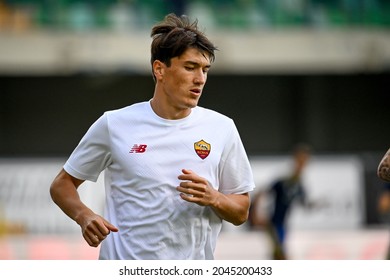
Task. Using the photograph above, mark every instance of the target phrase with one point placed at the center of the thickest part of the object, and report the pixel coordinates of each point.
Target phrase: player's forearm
(384, 167)
(233, 208)
(64, 193)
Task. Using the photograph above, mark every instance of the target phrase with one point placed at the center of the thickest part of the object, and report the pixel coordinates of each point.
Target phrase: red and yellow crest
(202, 149)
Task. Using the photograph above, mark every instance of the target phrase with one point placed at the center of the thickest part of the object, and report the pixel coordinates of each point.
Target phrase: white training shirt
(142, 155)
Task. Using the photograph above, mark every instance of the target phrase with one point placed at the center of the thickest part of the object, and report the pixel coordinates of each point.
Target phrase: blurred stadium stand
(287, 71)
(244, 14)
(46, 37)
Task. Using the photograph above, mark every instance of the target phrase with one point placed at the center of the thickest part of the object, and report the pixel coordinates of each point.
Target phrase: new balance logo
(138, 148)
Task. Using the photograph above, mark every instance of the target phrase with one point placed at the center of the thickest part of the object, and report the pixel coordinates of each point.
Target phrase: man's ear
(158, 69)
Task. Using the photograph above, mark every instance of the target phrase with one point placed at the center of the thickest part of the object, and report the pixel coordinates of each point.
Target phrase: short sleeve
(235, 170)
(92, 155)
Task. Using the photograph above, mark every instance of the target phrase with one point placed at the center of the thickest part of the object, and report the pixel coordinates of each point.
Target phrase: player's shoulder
(212, 114)
(135, 108)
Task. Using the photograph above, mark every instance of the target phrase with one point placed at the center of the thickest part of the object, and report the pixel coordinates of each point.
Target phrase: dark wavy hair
(174, 35)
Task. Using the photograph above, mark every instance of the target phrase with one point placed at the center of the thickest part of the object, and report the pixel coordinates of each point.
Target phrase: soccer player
(173, 170)
(383, 172)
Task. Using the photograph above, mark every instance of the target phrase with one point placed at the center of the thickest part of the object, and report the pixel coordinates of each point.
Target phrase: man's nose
(200, 77)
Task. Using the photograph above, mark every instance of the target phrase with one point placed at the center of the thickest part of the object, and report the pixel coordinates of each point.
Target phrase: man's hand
(196, 189)
(95, 228)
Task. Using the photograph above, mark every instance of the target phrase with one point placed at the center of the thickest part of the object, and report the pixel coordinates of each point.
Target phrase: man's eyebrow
(197, 64)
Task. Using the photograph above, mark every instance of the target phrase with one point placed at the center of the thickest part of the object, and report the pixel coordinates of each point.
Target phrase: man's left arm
(233, 208)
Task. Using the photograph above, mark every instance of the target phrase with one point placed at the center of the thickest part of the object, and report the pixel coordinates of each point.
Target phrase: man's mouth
(196, 91)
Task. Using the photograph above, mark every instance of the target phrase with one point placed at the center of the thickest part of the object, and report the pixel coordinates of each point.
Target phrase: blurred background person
(283, 193)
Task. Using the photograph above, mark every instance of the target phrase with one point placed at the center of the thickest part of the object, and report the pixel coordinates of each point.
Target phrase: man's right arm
(63, 191)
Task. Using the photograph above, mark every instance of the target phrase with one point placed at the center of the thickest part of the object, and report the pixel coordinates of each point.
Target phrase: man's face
(183, 82)
(301, 160)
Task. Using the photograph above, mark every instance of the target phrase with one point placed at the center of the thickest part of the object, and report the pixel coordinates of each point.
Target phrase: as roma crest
(202, 149)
